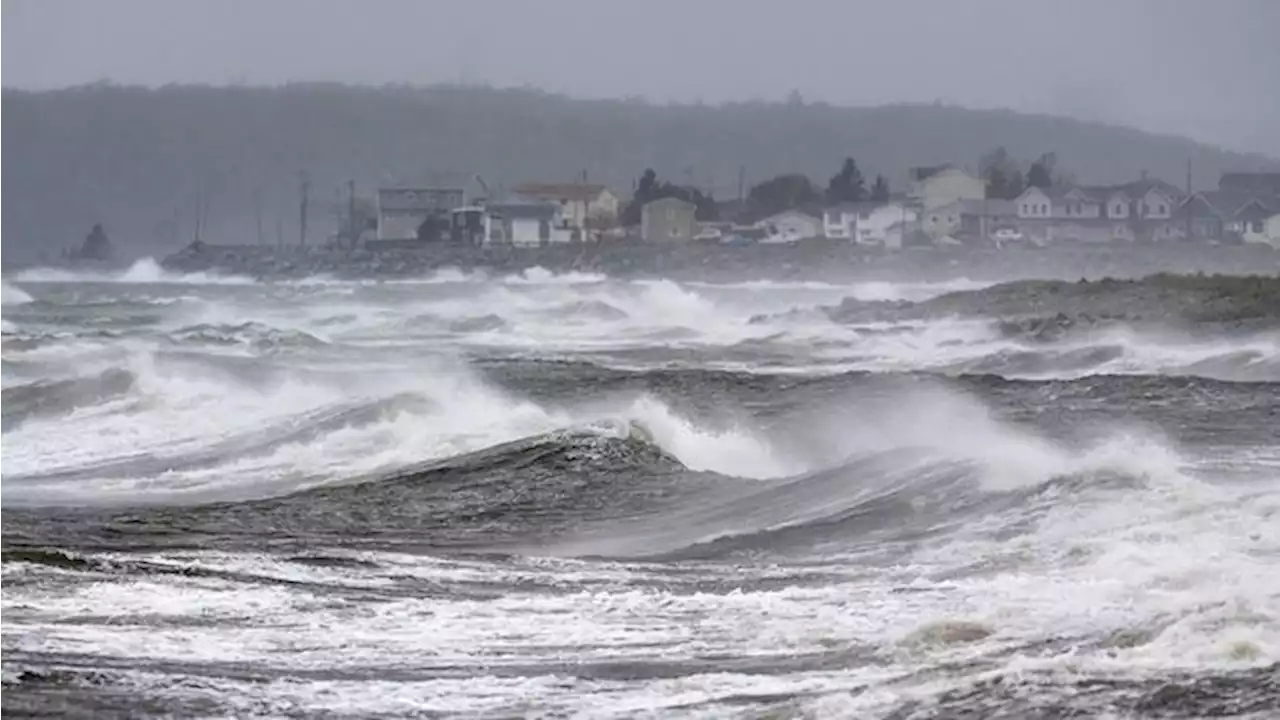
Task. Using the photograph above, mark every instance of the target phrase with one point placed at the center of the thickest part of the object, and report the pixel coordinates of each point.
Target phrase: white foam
(143, 271)
(538, 275)
(13, 295)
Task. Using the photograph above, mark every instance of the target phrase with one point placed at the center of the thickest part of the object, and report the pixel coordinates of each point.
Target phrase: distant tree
(647, 188)
(647, 184)
(880, 190)
(650, 188)
(1004, 178)
(1041, 173)
(846, 185)
(783, 192)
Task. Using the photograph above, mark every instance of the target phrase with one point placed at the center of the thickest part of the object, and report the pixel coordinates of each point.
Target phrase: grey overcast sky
(1208, 69)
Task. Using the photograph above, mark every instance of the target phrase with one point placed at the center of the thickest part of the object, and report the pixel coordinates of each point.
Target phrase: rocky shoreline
(1044, 311)
(811, 261)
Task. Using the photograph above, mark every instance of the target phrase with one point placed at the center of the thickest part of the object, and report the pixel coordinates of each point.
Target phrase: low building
(1237, 211)
(1270, 232)
(524, 224)
(406, 213)
(1139, 210)
(791, 226)
(1249, 221)
(875, 222)
(582, 206)
(840, 222)
(668, 219)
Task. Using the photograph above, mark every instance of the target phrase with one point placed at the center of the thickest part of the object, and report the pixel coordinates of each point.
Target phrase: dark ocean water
(549, 495)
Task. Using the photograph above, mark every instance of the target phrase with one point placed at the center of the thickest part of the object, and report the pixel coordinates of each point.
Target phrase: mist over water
(490, 495)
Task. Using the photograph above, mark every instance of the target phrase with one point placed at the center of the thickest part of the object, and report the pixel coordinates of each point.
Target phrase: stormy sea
(570, 495)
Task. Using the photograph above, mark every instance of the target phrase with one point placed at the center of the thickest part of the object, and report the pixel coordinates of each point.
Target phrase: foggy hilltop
(148, 162)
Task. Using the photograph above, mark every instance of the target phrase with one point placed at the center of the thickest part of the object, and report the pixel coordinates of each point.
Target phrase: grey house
(416, 213)
(668, 220)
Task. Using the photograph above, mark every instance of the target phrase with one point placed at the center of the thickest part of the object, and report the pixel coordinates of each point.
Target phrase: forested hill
(147, 163)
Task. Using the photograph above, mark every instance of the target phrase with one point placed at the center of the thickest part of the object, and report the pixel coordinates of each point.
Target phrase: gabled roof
(924, 172)
(1101, 193)
(1139, 188)
(1228, 204)
(1053, 192)
(560, 191)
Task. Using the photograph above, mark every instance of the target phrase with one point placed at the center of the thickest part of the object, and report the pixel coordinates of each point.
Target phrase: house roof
(1228, 204)
(405, 198)
(1101, 193)
(1139, 188)
(924, 172)
(560, 191)
(1265, 182)
(669, 201)
(518, 210)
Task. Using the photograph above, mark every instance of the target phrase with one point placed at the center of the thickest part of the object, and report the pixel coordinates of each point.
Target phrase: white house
(938, 185)
(524, 224)
(1262, 231)
(941, 221)
(790, 226)
(840, 222)
(582, 206)
(1070, 213)
(874, 223)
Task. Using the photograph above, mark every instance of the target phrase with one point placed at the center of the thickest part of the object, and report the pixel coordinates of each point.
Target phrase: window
(1257, 226)
(1044, 209)
(1162, 209)
(1024, 209)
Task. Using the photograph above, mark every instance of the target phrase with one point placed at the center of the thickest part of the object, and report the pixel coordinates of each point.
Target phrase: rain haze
(595, 359)
(1205, 70)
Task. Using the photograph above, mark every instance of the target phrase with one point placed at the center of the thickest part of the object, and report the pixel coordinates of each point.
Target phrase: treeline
(779, 193)
(795, 191)
(152, 164)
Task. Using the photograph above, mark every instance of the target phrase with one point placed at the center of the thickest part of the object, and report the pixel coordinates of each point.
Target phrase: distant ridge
(142, 161)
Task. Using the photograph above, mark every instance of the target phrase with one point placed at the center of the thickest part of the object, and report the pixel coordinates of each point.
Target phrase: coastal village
(941, 206)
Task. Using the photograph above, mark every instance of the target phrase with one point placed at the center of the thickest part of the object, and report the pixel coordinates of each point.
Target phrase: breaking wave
(145, 271)
(13, 295)
(252, 334)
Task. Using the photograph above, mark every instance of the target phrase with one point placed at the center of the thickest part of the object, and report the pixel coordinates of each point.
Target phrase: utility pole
(302, 210)
(352, 230)
(1186, 204)
(338, 231)
(257, 212)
